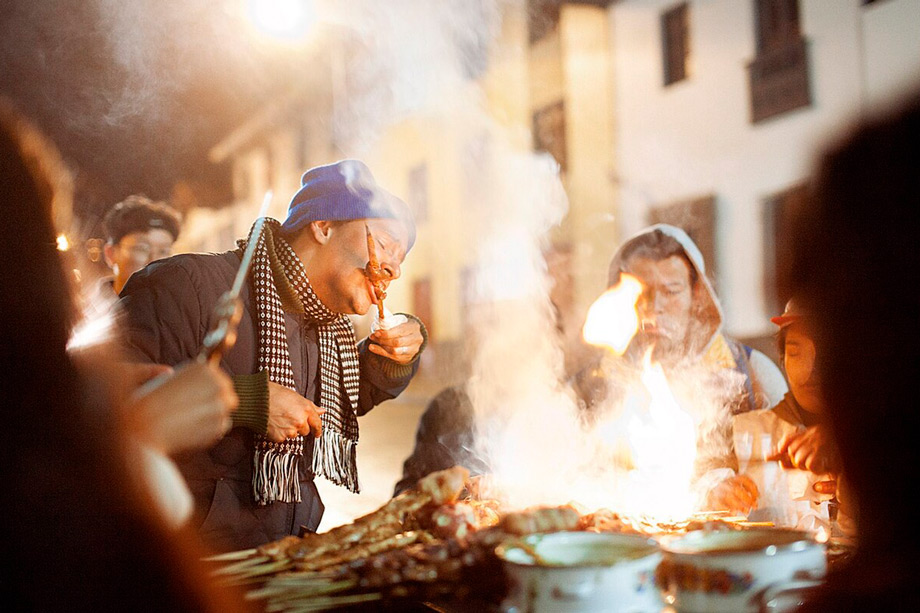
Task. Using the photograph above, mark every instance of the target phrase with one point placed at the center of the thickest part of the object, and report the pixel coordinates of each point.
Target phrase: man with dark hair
(680, 315)
(137, 232)
(795, 433)
(301, 378)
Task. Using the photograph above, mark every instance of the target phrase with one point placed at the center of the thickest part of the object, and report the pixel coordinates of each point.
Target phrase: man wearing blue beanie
(301, 377)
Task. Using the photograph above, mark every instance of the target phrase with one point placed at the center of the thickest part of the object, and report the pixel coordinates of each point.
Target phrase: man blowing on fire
(680, 317)
(301, 378)
(680, 322)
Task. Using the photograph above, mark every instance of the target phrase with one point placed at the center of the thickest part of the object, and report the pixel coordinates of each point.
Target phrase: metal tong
(229, 309)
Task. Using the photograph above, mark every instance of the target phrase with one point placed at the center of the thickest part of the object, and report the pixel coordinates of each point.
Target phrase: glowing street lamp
(286, 19)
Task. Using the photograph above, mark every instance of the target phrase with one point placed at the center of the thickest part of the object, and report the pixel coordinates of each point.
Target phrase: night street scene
(453, 306)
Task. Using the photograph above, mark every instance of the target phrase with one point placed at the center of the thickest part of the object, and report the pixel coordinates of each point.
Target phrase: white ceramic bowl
(731, 571)
(581, 571)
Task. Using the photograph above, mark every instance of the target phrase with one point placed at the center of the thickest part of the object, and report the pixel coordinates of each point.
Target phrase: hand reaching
(737, 494)
(812, 449)
(186, 409)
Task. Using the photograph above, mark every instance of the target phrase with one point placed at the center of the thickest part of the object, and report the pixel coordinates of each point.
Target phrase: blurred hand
(812, 449)
(400, 343)
(828, 487)
(737, 494)
(139, 373)
(186, 409)
(290, 414)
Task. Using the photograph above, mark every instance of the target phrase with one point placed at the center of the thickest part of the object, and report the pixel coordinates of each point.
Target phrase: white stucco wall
(695, 137)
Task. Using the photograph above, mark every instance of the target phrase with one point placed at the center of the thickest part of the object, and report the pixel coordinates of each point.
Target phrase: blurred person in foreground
(300, 374)
(680, 319)
(786, 468)
(854, 262)
(80, 527)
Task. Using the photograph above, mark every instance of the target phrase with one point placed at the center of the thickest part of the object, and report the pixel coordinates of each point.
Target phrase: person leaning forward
(301, 378)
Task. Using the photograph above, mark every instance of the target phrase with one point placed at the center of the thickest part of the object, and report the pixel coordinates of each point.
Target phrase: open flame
(653, 440)
(612, 320)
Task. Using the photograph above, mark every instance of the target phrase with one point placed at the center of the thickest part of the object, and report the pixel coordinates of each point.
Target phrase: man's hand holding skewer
(400, 343)
(812, 449)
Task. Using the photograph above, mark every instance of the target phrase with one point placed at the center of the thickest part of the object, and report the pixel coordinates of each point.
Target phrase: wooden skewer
(374, 266)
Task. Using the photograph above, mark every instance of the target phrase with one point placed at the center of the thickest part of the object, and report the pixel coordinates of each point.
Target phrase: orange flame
(653, 439)
(612, 320)
(663, 443)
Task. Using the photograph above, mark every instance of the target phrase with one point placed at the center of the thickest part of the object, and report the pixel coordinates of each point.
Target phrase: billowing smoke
(415, 58)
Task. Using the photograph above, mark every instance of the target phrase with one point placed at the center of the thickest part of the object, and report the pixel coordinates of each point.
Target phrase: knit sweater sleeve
(252, 411)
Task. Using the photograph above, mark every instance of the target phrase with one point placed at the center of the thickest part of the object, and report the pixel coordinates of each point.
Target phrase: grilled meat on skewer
(375, 274)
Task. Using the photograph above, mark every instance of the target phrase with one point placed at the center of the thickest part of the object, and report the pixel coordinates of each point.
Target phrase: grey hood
(709, 311)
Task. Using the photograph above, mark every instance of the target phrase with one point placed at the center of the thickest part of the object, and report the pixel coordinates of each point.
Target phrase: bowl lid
(576, 549)
(768, 541)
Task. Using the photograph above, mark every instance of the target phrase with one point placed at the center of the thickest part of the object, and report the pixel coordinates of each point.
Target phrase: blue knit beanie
(344, 191)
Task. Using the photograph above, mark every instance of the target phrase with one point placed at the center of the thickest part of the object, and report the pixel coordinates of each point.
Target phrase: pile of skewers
(423, 544)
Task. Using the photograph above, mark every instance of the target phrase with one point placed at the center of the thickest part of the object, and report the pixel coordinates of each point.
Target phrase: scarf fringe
(275, 475)
(335, 458)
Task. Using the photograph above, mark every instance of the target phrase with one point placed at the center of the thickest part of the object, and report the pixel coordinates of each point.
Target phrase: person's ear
(108, 252)
(321, 230)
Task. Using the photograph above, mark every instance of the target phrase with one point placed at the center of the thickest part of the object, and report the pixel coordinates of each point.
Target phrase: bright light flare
(663, 444)
(92, 331)
(62, 243)
(822, 535)
(286, 19)
(612, 320)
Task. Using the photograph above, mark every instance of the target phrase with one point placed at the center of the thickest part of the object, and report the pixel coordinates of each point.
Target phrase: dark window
(418, 192)
(698, 219)
(777, 210)
(777, 23)
(779, 77)
(675, 43)
(542, 18)
(549, 132)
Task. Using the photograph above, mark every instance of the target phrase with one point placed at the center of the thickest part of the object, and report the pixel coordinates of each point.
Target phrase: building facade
(721, 106)
(706, 114)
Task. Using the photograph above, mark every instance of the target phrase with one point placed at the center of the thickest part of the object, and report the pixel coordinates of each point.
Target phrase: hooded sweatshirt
(764, 385)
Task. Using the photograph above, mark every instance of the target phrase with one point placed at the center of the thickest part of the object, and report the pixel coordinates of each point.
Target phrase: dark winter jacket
(169, 308)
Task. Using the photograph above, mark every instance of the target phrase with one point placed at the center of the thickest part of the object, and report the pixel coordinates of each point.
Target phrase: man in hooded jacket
(680, 316)
(680, 321)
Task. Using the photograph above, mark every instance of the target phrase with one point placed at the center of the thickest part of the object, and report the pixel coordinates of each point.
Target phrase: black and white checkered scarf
(275, 475)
